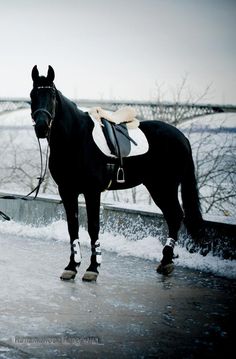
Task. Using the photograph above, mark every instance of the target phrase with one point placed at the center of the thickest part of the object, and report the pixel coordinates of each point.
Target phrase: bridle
(41, 110)
(43, 168)
(50, 115)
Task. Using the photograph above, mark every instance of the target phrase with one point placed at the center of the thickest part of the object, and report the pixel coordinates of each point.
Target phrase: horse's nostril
(41, 131)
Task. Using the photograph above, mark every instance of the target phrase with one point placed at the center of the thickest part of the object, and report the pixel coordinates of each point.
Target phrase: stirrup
(120, 177)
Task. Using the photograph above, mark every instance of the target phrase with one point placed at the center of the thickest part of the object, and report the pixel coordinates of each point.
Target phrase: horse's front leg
(92, 200)
(70, 202)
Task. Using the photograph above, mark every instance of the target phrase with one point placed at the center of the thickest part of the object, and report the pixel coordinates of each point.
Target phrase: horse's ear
(35, 73)
(51, 74)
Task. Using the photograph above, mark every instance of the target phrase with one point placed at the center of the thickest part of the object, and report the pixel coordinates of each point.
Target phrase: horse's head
(43, 101)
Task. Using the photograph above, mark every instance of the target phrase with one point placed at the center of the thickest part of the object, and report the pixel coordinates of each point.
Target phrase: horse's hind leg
(70, 202)
(169, 204)
(92, 200)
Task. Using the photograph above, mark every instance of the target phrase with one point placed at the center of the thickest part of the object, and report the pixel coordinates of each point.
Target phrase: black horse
(78, 166)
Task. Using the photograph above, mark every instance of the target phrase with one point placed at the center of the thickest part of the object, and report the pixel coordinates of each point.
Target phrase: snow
(149, 248)
(222, 120)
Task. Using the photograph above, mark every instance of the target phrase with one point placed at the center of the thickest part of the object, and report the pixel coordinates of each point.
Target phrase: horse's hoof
(90, 276)
(68, 275)
(165, 269)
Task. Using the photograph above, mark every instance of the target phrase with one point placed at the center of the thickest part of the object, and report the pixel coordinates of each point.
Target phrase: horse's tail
(190, 198)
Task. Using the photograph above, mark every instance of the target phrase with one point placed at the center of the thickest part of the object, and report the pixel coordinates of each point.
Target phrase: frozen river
(130, 312)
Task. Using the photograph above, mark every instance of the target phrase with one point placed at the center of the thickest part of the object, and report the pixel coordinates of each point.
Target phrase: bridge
(146, 110)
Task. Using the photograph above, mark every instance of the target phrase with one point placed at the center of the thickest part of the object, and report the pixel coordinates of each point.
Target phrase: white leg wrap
(77, 251)
(96, 250)
(170, 242)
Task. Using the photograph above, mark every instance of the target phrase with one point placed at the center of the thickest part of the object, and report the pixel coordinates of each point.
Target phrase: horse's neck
(70, 122)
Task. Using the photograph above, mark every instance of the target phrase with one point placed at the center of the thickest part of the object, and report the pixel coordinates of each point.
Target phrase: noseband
(51, 116)
(41, 110)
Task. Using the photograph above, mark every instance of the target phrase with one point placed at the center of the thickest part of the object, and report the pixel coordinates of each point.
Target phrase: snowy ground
(131, 312)
(147, 248)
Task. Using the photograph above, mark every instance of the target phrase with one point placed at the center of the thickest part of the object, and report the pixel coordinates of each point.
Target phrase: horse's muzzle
(41, 129)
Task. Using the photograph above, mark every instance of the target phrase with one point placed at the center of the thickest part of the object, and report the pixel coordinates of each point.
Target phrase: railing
(169, 112)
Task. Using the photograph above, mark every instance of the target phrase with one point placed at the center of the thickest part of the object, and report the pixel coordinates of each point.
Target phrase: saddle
(123, 115)
(114, 127)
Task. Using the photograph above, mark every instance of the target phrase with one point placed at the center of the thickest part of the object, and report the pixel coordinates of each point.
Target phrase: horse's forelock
(43, 81)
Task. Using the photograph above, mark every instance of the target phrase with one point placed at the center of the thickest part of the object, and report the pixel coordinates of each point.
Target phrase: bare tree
(20, 162)
(214, 154)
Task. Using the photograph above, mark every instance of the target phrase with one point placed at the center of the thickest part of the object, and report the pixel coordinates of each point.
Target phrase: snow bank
(147, 248)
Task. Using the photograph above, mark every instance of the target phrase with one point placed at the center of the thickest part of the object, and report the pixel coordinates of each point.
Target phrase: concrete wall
(135, 224)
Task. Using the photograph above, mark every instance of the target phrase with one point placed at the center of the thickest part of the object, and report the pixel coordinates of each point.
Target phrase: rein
(43, 170)
(41, 178)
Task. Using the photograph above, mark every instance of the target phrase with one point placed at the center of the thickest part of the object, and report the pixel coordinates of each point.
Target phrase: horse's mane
(70, 116)
(66, 104)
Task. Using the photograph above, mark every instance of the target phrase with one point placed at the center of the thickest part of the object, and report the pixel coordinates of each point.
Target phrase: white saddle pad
(136, 134)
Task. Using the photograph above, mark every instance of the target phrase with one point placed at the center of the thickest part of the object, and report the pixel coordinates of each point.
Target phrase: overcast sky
(123, 49)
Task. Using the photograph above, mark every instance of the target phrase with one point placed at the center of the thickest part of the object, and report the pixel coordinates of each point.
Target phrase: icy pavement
(130, 312)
